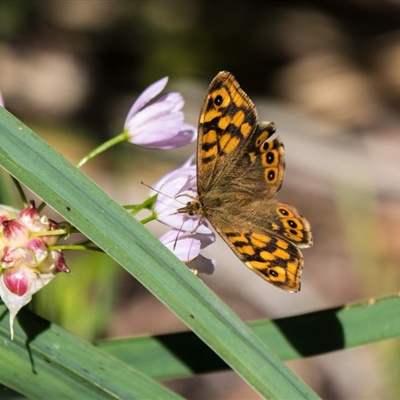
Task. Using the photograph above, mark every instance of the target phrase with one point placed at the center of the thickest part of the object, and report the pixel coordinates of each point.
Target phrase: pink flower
(189, 234)
(159, 125)
(175, 190)
(27, 263)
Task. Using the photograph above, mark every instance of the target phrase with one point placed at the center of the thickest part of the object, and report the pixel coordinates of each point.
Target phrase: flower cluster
(27, 262)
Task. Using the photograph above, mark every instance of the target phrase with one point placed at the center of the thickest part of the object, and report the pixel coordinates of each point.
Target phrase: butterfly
(240, 168)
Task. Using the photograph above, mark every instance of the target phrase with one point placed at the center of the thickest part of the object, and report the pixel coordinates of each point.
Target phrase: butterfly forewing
(227, 120)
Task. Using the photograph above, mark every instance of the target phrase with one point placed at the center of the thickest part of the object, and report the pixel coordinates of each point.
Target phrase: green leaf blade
(295, 337)
(45, 361)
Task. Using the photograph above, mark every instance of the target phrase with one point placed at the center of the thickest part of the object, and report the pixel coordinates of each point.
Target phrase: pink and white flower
(159, 125)
(27, 262)
(189, 234)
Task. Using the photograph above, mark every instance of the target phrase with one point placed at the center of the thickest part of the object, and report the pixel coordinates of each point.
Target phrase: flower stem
(105, 146)
(75, 247)
(148, 204)
(41, 206)
(151, 217)
(20, 191)
(55, 232)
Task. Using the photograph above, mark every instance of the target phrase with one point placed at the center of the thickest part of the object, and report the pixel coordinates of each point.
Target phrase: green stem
(20, 191)
(151, 217)
(122, 137)
(75, 247)
(148, 204)
(41, 206)
(55, 232)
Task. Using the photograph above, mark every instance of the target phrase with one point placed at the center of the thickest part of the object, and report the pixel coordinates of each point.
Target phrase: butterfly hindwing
(276, 260)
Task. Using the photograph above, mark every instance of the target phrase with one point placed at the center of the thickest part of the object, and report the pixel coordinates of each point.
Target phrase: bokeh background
(326, 72)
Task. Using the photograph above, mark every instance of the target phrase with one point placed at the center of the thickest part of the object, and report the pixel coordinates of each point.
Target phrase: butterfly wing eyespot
(283, 211)
(274, 274)
(293, 226)
(218, 99)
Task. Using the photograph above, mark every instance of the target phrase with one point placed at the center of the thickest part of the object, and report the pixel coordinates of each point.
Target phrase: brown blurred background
(326, 72)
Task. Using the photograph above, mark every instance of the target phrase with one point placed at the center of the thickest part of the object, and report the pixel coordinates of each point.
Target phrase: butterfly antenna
(150, 187)
(164, 194)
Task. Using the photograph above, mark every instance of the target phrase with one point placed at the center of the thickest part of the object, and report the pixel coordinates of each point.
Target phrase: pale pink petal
(186, 247)
(185, 223)
(186, 135)
(152, 112)
(184, 176)
(173, 97)
(147, 95)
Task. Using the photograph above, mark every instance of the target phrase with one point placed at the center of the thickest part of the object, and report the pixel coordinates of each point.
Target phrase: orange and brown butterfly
(239, 170)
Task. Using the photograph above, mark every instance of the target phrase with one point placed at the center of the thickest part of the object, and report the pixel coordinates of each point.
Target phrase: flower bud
(16, 280)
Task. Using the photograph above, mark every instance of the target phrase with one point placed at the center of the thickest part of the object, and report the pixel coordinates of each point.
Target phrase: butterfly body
(239, 170)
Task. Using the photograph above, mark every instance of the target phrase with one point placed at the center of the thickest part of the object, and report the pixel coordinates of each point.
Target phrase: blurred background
(326, 72)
